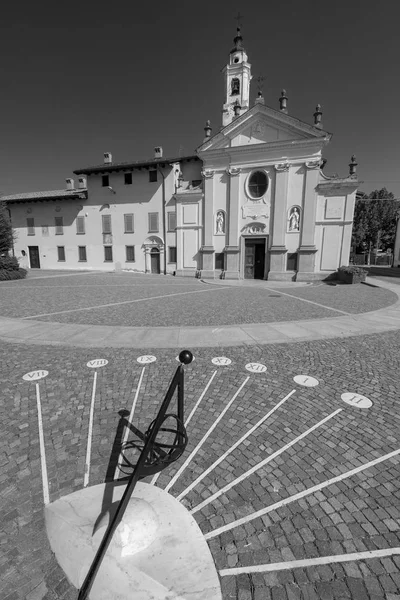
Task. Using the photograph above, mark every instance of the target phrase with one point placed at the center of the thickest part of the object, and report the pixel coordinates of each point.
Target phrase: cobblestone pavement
(355, 513)
(138, 300)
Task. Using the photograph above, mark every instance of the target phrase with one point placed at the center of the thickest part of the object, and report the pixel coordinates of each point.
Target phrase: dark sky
(82, 78)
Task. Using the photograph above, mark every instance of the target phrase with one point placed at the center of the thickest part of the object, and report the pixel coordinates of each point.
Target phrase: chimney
(107, 158)
(82, 183)
(158, 152)
(317, 116)
(353, 166)
(70, 183)
(283, 102)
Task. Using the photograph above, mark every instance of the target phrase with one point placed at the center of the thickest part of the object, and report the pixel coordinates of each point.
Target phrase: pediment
(262, 125)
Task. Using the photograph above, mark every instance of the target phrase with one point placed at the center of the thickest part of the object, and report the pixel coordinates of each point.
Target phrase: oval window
(258, 184)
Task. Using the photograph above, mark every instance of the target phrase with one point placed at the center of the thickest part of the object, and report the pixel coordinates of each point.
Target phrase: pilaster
(207, 262)
(208, 219)
(307, 249)
(278, 248)
(234, 203)
(232, 262)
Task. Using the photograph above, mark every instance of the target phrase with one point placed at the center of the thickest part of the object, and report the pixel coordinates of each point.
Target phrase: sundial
(157, 550)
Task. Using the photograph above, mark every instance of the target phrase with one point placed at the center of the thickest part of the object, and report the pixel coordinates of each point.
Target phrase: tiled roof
(50, 195)
(133, 164)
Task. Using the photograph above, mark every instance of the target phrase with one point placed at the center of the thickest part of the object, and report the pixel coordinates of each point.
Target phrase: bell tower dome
(237, 75)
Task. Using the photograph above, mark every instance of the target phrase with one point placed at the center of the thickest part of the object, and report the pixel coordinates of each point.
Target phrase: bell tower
(237, 75)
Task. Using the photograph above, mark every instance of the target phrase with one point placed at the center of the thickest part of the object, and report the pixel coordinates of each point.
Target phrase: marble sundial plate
(158, 551)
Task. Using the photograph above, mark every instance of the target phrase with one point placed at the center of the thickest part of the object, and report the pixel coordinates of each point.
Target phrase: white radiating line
(199, 445)
(71, 310)
(232, 448)
(309, 562)
(157, 475)
(90, 432)
(45, 480)
(262, 463)
(303, 494)
(126, 432)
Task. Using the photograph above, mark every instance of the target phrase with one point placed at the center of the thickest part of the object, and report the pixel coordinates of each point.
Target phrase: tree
(6, 231)
(375, 220)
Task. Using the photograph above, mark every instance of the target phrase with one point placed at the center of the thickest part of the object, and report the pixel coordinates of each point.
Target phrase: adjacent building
(252, 202)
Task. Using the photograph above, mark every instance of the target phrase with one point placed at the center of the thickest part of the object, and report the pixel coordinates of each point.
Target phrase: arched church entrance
(154, 254)
(155, 261)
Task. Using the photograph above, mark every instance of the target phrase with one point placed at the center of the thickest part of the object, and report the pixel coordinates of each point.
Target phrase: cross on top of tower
(238, 40)
(239, 18)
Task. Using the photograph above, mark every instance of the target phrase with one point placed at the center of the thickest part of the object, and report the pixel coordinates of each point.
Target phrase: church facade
(253, 202)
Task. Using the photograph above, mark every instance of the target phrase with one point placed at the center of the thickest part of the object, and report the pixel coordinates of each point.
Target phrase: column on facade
(278, 247)
(147, 263)
(207, 249)
(232, 247)
(307, 250)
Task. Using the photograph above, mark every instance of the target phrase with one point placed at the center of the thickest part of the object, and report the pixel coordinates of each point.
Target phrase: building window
(153, 175)
(105, 181)
(128, 222)
(82, 253)
(153, 222)
(108, 254)
(171, 221)
(61, 253)
(257, 184)
(172, 254)
(291, 264)
(130, 253)
(128, 178)
(219, 261)
(235, 86)
(106, 222)
(80, 225)
(59, 225)
(30, 223)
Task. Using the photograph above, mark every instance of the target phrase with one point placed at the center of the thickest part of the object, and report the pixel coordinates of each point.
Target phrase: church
(253, 202)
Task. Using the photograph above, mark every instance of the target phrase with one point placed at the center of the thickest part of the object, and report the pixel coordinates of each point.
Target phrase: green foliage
(6, 275)
(8, 263)
(375, 221)
(6, 232)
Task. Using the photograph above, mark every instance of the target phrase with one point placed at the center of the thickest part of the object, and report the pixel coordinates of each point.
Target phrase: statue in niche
(235, 86)
(294, 219)
(220, 222)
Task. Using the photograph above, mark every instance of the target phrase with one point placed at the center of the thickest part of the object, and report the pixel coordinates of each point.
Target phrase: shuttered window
(108, 255)
(172, 254)
(82, 253)
(153, 222)
(130, 253)
(128, 219)
(106, 219)
(80, 225)
(59, 225)
(152, 176)
(30, 223)
(61, 253)
(128, 178)
(171, 221)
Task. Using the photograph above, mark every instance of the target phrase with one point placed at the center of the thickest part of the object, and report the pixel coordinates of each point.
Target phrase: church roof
(136, 164)
(49, 195)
